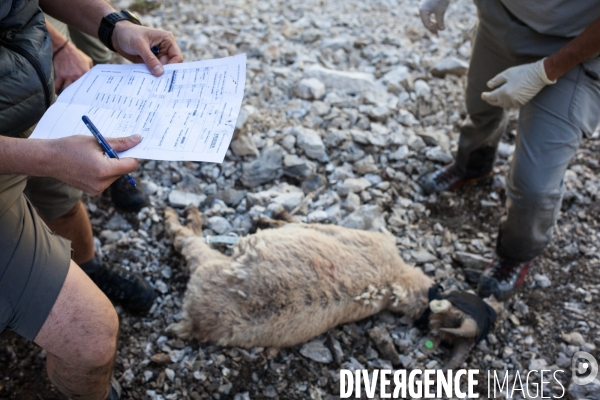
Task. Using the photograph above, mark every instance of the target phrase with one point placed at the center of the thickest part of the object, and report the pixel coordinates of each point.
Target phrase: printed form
(187, 114)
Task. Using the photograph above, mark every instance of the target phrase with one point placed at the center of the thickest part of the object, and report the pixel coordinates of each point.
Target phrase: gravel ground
(366, 136)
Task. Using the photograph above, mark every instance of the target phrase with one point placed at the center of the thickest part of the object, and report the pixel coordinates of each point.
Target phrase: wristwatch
(107, 26)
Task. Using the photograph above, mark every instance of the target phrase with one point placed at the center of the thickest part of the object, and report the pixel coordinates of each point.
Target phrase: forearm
(580, 49)
(76, 160)
(25, 157)
(84, 15)
(58, 39)
(130, 40)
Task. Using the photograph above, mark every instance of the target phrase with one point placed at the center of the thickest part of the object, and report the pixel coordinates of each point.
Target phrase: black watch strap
(107, 26)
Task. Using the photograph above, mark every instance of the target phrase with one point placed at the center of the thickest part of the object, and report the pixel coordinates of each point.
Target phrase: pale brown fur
(285, 286)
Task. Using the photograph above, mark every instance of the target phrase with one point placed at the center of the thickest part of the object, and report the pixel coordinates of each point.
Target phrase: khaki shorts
(33, 261)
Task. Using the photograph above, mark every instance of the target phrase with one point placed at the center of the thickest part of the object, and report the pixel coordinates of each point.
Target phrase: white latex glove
(518, 85)
(437, 8)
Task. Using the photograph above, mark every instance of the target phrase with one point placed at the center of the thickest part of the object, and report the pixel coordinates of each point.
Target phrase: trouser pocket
(585, 107)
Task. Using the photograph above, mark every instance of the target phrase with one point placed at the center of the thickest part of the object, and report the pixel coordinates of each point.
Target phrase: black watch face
(131, 16)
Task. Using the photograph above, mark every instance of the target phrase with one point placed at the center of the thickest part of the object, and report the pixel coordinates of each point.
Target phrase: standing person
(543, 59)
(73, 54)
(44, 295)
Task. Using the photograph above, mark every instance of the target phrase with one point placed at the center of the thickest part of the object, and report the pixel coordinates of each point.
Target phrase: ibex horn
(467, 329)
(439, 306)
(461, 350)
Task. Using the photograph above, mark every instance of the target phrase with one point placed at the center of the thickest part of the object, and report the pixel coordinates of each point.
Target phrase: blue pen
(104, 144)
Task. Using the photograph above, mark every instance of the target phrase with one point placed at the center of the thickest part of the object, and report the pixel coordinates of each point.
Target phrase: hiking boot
(121, 286)
(447, 178)
(115, 390)
(127, 197)
(502, 278)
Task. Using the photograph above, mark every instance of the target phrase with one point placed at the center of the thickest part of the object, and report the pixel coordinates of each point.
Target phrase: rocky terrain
(347, 104)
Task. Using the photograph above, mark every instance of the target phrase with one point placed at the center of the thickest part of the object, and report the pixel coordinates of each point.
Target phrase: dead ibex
(284, 286)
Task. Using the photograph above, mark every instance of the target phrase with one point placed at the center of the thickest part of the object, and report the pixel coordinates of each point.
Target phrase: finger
(124, 143)
(497, 98)
(68, 81)
(150, 60)
(497, 80)
(178, 58)
(58, 84)
(492, 98)
(173, 51)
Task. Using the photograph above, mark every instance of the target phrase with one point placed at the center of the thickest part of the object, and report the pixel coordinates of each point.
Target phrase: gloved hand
(519, 85)
(438, 9)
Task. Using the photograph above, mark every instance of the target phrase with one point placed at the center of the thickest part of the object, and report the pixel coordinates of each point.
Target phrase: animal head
(461, 319)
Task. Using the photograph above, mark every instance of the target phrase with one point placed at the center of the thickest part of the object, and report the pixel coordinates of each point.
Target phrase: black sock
(91, 266)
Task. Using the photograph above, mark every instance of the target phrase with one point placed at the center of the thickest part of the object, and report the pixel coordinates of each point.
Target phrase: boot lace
(445, 176)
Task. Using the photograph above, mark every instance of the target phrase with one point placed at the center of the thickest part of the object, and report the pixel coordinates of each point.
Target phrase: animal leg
(177, 232)
(194, 220)
(268, 223)
(283, 215)
(188, 239)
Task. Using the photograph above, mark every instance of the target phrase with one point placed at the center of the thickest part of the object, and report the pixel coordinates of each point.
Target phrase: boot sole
(464, 182)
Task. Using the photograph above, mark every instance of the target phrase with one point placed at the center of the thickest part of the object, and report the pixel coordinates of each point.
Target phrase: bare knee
(100, 346)
(84, 373)
(82, 327)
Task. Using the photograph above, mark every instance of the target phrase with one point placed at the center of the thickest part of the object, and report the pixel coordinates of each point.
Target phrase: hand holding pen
(104, 144)
(79, 161)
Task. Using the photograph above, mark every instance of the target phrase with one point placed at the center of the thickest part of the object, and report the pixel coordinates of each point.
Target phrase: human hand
(437, 8)
(134, 41)
(517, 85)
(79, 161)
(70, 64)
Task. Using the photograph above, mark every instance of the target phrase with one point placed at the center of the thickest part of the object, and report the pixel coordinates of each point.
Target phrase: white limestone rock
(345, 82)
(450, 65)
(310, 89)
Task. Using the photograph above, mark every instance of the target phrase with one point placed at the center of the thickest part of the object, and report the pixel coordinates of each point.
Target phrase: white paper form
(187, 114)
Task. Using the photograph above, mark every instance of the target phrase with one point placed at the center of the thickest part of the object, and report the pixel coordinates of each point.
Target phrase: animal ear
(439, 306)
(495, 304)
(467, 329)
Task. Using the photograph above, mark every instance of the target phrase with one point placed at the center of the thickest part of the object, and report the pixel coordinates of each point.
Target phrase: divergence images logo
(584, 368)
